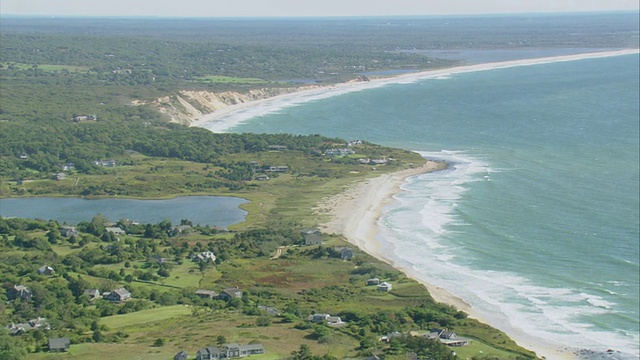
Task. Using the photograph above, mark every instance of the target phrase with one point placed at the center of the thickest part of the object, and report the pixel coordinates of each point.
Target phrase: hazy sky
(285, 8)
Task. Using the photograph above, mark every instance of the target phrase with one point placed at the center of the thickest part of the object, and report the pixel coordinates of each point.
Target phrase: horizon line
(313, 17)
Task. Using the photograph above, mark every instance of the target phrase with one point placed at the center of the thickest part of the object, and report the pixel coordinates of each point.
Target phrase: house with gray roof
(230, 293)
(345, 252)
(373, 281)
(384, 286)
(182, 355)
(118, 295)
(68, 231)
(313, 239)
(207, 294)
(116, 230)
(229, 351)
(46, 270)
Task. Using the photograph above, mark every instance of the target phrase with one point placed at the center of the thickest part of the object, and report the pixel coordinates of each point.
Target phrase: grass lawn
(182, 276)
(477, 348)
(66, 249)
(144, 316)
(93, 351)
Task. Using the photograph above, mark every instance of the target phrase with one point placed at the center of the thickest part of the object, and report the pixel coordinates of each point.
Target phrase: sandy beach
(221, 121)
(355, 212)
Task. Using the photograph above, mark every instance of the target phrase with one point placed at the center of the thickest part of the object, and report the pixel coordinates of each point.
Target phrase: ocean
(535, 222)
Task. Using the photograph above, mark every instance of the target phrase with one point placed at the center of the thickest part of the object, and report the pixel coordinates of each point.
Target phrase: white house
(384, 286)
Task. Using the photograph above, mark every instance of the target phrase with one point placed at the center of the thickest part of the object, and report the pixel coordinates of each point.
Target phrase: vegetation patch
(218, 79)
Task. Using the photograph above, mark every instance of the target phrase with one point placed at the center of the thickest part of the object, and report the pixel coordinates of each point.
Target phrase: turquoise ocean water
(536, 221)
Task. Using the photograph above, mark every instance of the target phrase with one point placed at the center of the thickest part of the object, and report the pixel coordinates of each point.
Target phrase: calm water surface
(203, 210)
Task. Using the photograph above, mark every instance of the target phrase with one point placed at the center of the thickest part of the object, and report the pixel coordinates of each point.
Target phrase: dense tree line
(48, 144)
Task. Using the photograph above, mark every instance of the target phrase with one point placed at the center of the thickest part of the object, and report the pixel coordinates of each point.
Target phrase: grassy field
(186, 274)
(145, 316)
(217, 79)
(44, 67)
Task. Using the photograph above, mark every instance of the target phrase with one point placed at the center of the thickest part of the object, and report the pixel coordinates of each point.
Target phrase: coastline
(354, 214)
(356, 211)
(221, 120)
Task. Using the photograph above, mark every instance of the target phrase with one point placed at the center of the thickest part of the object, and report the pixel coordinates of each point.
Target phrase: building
(384, 286)
(181, 229)
(117, 231)
(279, 169)
(105, 163)
(46, 270)
(19, 329)
(68, 231)
(339, 152)
(335, 321)
(59, 344)
(19, 292)
(448, 338)
(345, 253)
(313, 239)
(181, 356)
(318, 318)
(118, 295)
(262, 177)
(229, 351)
(373, 281)
(206, 294)
(230, 293)
(59, 176)
(92, 294)
(390, 336)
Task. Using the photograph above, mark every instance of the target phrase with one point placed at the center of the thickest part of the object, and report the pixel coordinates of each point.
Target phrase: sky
(301, 8)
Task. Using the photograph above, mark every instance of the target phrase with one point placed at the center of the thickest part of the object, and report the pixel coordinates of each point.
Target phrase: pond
(203, 210)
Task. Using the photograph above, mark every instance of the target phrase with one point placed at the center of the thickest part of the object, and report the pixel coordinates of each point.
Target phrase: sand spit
(221, 119)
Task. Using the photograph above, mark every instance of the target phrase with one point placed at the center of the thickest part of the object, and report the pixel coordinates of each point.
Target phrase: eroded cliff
(187, 106)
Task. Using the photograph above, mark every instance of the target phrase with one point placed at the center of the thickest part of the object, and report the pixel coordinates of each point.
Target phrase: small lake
(203, 210)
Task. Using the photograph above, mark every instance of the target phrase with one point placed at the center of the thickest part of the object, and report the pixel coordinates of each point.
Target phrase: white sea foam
(417, 230)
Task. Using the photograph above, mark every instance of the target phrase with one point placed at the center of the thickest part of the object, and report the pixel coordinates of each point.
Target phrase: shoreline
(354, 214)
(356, 211)
(221, 121)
